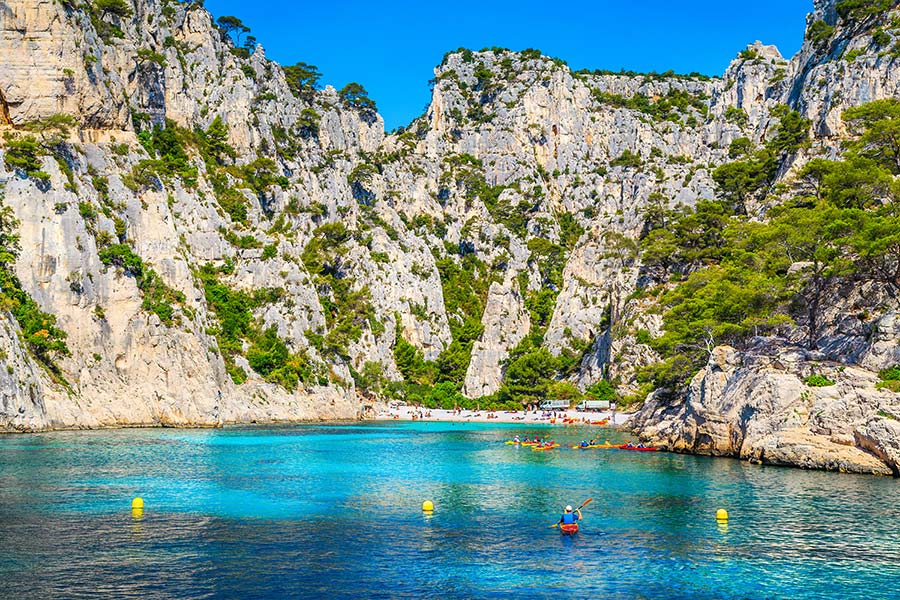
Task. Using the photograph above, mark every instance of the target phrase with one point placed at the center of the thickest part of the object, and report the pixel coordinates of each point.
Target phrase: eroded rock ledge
(755, 406)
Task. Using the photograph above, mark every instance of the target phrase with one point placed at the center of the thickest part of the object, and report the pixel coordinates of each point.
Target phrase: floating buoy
(137, 504)
(428, 506)
(721, 515)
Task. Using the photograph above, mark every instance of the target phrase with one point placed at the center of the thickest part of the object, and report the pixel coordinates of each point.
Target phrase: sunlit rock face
(522, 174)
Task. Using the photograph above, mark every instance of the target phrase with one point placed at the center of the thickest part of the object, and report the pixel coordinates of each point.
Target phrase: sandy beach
(569, 417)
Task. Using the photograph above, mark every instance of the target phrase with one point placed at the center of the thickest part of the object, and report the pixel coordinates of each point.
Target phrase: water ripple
(333, 511)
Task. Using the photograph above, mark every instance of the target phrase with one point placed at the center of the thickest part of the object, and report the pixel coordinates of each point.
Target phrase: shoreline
(568, 417)
(405, 414)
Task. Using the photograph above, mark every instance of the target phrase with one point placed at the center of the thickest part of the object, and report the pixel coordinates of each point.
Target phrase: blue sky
(392, 47)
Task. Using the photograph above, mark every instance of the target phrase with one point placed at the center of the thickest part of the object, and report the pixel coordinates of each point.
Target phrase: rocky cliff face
(527, 176)
(756, 406)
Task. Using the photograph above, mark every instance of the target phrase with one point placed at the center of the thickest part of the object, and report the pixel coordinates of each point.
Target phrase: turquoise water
(334, 511)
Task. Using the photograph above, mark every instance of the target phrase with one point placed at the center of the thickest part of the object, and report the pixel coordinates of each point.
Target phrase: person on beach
(570, 516)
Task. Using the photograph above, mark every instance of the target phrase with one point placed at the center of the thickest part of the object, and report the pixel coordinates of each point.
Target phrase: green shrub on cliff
(100, 10)
(819, 32)
(348, 311)
(411, 362)
(857, 10)
(627, 160)
(24, 155)
(168, 156)
(157, 297)
(817, 380)
(43, 339)
(889, 379)
(465, 286)
(267, 354)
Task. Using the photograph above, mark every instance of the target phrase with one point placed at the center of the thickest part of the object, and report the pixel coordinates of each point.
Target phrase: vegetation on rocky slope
(43, 339)
(837, 221)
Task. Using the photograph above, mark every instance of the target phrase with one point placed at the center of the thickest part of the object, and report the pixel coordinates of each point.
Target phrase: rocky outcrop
(506, 323)
(881, 437)
(757, 406)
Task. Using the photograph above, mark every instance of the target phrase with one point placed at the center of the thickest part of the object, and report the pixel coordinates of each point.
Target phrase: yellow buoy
(137, 504)
(428, 506)
(721, 515)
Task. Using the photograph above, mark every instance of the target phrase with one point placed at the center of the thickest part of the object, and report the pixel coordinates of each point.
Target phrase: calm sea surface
(334, 512)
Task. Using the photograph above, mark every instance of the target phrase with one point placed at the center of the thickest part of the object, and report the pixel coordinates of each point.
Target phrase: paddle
(583, 504)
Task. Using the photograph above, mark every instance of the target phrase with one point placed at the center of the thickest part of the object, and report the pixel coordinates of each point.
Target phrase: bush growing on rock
(818, 381)
(231, 26)
(862, 9)
(602, 390)
(819, 32)
(308, 123)
(123, 257)
(628, 160)
(43, 339)
(889, 379)
(24, 156)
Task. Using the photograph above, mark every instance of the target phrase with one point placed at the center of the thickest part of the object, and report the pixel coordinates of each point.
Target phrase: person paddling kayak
(568, 521)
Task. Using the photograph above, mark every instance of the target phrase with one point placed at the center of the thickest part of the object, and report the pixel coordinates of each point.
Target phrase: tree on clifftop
(355, 96)
(230, 26)
(119, 8)
(303, 79)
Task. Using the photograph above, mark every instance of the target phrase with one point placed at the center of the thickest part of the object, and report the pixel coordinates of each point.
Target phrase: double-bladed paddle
(583, 504)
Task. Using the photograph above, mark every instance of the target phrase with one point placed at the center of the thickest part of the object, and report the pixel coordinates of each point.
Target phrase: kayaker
(570, 516)
(516, 440)
(584, 444)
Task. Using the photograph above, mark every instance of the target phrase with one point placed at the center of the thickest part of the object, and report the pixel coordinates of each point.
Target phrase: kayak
(542, 448)
(589, 447)
(515, 443)
(636, 449)
(570, 529)
(603, 422)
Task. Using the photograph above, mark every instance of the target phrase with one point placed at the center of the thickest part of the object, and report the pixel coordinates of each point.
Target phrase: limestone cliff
(307, 237)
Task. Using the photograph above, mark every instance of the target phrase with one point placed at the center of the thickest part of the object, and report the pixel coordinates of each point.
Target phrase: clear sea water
(335, 512)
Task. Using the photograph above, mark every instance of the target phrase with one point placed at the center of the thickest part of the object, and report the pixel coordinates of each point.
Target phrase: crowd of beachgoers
(567, 417)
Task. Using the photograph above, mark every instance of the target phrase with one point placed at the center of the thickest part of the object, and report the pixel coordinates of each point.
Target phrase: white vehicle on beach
(594, 405)
(555, 405)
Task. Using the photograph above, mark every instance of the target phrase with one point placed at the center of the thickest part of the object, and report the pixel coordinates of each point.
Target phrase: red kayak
(635, 448)
(569, 529)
